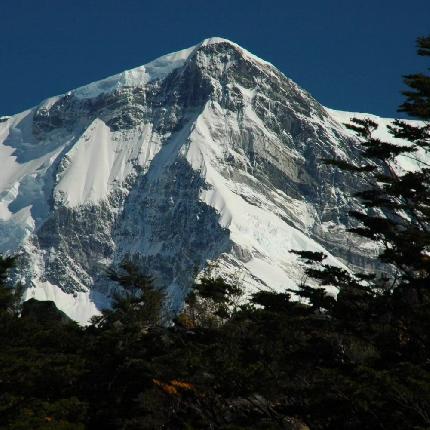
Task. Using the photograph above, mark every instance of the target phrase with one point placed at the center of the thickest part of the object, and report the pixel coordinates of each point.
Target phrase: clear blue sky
(350, 54)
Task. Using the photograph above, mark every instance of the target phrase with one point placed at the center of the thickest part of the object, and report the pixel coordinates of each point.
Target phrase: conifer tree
(397, 207)
(10, 298)
(393, 305)
(138, 303)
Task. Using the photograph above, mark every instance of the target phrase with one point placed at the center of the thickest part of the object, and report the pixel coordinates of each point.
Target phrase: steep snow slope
(205, 157)
(405, 162)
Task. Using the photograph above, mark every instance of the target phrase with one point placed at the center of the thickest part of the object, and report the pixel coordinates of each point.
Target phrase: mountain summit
(205, 159)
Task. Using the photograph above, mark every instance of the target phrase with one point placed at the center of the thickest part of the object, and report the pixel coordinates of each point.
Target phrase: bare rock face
(206, 156)
(44, 312)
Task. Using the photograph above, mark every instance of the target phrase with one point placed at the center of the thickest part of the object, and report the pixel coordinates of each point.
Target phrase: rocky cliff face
(206, 156)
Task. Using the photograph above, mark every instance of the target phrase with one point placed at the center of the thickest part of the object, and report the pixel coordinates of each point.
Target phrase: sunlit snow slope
(405, 162)
(205, 159)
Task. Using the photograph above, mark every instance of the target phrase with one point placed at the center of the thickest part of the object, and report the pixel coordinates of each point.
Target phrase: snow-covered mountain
(208, 157)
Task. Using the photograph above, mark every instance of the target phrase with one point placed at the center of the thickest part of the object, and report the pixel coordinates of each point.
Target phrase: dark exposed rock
(44, 312)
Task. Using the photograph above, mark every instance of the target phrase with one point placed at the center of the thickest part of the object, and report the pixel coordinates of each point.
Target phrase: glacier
(207, 160)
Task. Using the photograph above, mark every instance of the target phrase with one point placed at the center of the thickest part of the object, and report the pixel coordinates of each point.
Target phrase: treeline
(357, 361)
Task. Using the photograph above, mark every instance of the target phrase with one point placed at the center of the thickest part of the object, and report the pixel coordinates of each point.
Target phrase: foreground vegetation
(360, 361)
